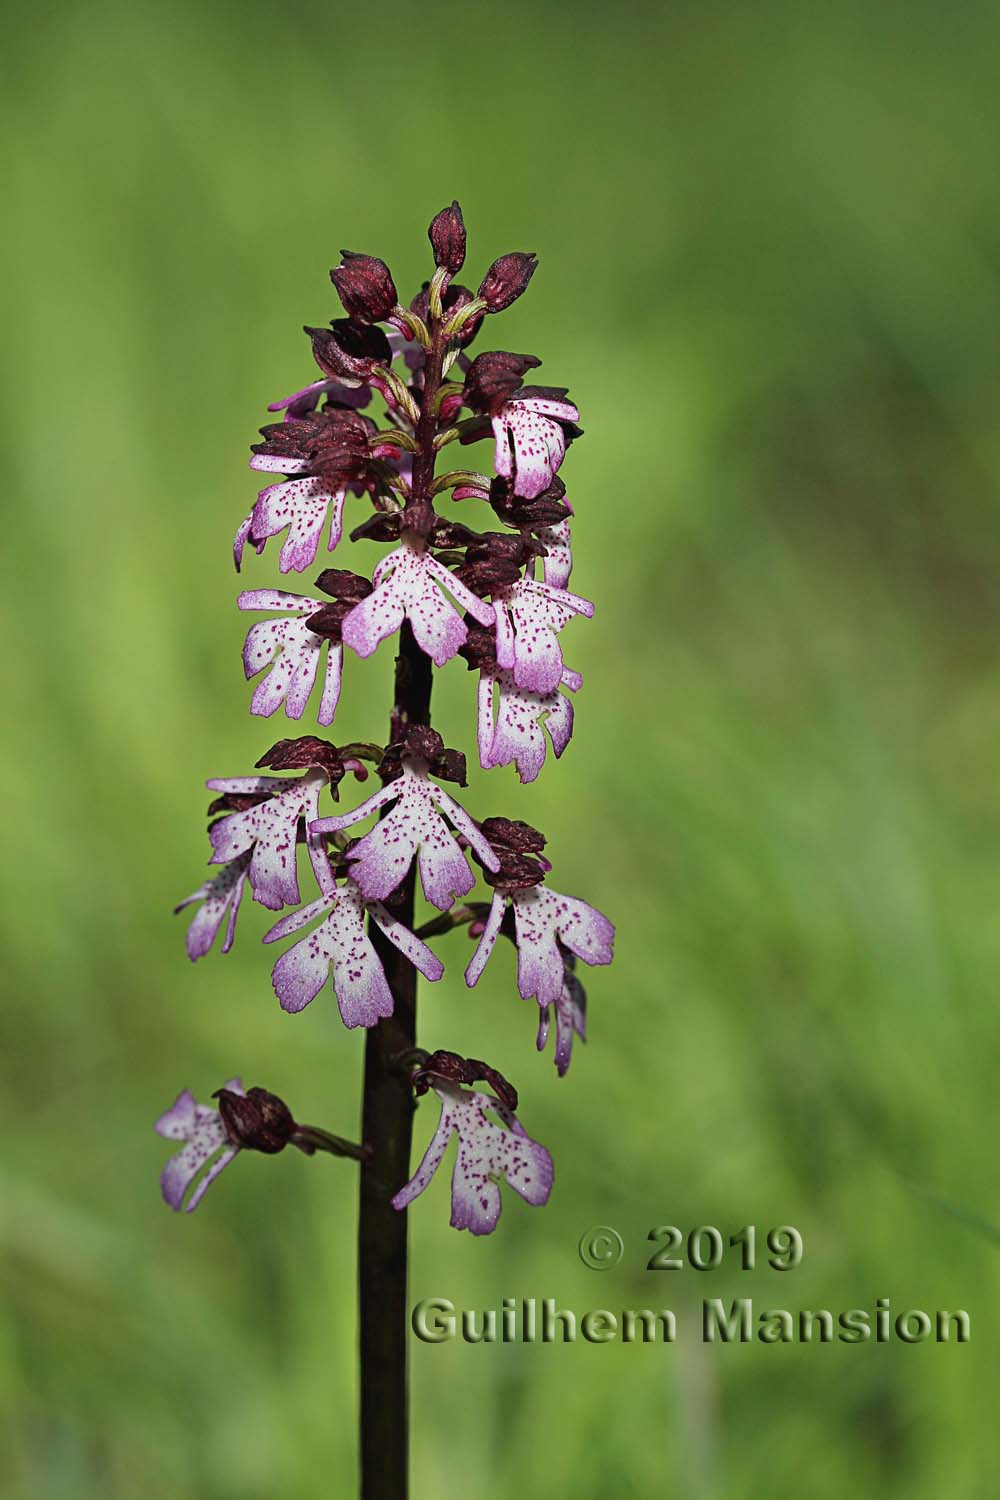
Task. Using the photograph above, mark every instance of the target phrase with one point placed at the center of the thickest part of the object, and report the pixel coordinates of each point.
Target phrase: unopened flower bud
(447, 237)
(451, 405)
(494, 377)
(256, 1120)
(329, 619)
(506, 279)
(454, 299)
(340, 583)
(418, 740)
(365, 287)
(306, 753)
(456, 1069)
(349, 350)
(514, 834)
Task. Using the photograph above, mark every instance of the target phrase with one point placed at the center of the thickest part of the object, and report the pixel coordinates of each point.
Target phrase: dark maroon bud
(256, 1120)
(547, 392)
(503, 551)
(328, 621)
(480, 649)
(455, 297)
(383, 526)
(440, 1064)
(295, 439)
(515, 844)
(493, 377)
(334, 426)
(474, 431)
(335, 442)
(450, 766)
(423, 741)
(532, 513)
(451, 405)
(544, 510)
(455, 1069)
(506, 279)
(512, 833)
(453, 534)
(390, 767)
(517, 872)
(340, 583)
(343, 447)
(458, 297)
(365, 287)
(488, 575)
(447, 237)
(496, 560)
(500, 544)
(505, 1092)
(305, 753)
(348, 350)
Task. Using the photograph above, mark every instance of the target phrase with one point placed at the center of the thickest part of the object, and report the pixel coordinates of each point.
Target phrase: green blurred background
(770, 273)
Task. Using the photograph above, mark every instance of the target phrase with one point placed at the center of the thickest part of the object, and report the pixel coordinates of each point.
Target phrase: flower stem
(312, 1138)
(387, 1105)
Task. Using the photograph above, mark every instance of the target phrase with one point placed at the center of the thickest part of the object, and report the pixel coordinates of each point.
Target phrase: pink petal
(420, 956)
(487, 941)
(544, 918)
(376, 617)
(301, 505)
(221, 895)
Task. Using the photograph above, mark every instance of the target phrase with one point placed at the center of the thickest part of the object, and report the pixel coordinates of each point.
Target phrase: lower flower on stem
(488, 1152)
(245, 1120)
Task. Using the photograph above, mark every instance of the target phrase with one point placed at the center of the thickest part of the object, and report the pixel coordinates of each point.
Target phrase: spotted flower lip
(220, 896)
(340, 943)
(557, 563)
(523, 719)
(207, 1149)
(488, 1154)
(529, 616)
(302, 506)
(268, 831)
(545, 923)
(530, 438)
(293, 652)
(407, 587)
(414, 828)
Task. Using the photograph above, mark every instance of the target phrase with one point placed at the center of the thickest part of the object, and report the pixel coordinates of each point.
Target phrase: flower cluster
(494, 594)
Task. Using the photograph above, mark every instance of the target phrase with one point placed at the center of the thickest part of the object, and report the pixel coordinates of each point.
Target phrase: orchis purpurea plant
(498, 598)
